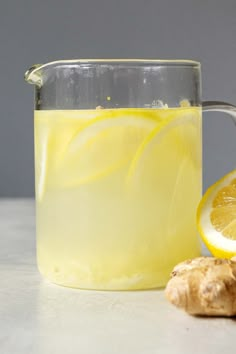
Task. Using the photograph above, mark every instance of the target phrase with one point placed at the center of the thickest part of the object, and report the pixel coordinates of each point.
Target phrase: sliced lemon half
(216, 217)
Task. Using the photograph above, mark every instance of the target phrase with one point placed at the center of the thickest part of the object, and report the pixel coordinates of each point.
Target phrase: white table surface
(37, 317)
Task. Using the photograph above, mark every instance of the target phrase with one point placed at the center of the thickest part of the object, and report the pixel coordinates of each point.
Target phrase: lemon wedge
(216, 217)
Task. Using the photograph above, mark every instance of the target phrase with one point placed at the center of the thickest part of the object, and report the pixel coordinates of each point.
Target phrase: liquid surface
(117, 192)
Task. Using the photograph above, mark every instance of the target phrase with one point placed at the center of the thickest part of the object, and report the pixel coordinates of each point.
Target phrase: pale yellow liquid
(117, 192)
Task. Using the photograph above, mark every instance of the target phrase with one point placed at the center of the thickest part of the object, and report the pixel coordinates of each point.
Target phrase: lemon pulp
(216, 217)
(116, 194)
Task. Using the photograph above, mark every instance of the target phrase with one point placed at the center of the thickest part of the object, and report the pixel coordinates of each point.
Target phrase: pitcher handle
(210, 106)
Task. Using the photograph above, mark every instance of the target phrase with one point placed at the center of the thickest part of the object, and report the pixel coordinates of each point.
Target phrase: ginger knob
(204, 286)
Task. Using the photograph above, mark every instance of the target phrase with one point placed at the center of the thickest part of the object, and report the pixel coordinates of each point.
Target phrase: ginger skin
(204, 286)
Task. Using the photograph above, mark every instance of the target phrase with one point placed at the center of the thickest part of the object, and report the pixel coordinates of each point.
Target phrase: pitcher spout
(34, 75)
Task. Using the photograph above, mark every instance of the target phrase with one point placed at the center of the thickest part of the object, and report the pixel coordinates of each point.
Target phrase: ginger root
(204, 286)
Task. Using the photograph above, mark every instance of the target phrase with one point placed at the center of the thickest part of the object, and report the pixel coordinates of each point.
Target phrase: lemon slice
(216, 217)
(104, 145)
(42, 146)
(179, 131)
(165, 175)
(53, 131)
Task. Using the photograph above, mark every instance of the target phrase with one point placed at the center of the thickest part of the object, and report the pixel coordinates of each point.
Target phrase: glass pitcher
(118, 166)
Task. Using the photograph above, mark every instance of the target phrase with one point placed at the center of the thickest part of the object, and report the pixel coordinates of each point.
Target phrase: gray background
(37, 31)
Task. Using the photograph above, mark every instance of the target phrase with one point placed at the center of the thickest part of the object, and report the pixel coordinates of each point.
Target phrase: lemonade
(117, 191)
